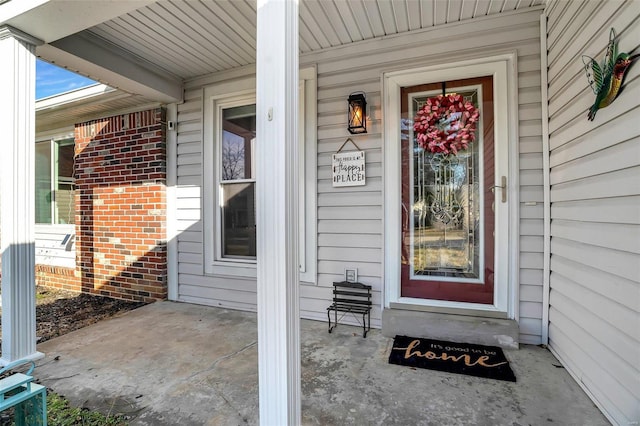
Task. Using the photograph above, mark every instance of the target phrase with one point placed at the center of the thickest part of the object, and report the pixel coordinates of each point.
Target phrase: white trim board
(171, 236)
(546, 170)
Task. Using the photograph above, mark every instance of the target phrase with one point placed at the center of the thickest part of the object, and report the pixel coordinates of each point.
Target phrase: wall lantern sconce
(357, 113)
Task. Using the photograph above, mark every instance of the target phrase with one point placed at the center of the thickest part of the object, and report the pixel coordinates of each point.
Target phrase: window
(229, 178)
(54, 184)
(237, 182)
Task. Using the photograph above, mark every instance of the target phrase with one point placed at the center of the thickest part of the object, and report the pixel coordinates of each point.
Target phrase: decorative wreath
(446, 124)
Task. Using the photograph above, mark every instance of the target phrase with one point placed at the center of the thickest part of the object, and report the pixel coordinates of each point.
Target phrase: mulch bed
(59, 311)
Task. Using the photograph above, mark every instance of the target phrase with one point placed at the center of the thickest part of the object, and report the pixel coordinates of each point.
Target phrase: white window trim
(220, 105)
(52, 141)
(43, 245)
(242, 91)
(308, 175)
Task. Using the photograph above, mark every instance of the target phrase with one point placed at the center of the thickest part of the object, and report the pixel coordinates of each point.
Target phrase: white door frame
(503, 69)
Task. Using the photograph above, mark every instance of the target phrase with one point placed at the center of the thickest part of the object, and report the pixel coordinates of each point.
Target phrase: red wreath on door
(446, 124)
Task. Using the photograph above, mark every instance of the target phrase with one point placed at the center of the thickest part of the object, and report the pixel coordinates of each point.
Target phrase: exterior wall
(55, 245)
(57, 277)
(594, 295)
(193, 284)
(55, 261)
(353, 218)
(56, 257)
(350, 220)
(121, 206)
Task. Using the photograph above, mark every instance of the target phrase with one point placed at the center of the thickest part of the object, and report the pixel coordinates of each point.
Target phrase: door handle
(503, 181)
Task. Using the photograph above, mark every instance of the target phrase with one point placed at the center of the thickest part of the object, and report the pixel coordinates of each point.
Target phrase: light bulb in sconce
(357, 118)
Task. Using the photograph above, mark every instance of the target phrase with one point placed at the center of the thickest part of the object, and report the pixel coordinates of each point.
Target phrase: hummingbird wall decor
(606, 79)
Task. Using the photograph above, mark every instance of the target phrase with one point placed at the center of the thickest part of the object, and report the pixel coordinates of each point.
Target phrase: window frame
(242, 92)
(234, 101)
(54, 179)
(47, 251)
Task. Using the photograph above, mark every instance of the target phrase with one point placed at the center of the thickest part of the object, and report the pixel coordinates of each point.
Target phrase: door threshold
(449, 310)
(458, 327)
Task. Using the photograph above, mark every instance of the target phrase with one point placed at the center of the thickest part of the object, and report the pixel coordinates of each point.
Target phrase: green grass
(60, 413)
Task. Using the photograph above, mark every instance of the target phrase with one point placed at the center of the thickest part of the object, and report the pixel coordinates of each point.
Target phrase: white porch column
(17, 212)
(277, 206)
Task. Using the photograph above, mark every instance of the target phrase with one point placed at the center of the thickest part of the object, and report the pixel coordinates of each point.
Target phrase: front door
(448, 221)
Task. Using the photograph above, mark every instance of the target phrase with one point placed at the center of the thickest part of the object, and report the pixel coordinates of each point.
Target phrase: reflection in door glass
(445, 226)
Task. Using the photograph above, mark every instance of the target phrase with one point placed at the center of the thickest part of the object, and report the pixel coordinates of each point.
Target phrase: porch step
(455, 328)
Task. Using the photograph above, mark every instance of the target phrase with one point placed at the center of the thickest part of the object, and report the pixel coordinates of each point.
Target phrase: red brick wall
(120, 172)
(57, 277)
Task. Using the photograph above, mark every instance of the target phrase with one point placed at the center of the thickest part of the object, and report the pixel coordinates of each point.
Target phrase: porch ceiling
(182, 40)
(190, 39)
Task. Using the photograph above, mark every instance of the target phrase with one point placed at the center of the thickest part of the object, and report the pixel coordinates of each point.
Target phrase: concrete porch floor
(181, 364)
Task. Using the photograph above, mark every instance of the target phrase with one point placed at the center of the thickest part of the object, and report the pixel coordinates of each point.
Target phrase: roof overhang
(61, 25)
(152, 48)
(51, 20)
(112, 65)
(58, 114)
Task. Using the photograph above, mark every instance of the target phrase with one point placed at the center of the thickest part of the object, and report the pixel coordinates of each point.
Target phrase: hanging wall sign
(348, 169)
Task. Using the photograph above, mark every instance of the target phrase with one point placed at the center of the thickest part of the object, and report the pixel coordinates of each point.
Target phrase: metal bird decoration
(606, 79)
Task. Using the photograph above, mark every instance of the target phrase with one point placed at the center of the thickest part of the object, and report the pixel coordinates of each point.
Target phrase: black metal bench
(354, 298)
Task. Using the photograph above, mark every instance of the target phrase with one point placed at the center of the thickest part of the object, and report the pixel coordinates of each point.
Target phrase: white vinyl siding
(350, 220)
(594, 299)
(231, 287)
(55, 245)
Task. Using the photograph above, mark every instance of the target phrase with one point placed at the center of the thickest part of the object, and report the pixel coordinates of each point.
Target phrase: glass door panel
(448, 222)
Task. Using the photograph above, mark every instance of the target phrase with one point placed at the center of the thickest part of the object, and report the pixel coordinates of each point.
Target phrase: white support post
(17, 212)
(277, 205)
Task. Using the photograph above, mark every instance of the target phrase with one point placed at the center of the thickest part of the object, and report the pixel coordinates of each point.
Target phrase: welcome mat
(459, 358)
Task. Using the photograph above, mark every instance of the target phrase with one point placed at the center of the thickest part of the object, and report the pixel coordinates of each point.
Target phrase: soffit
(106, 104)
(193, 38)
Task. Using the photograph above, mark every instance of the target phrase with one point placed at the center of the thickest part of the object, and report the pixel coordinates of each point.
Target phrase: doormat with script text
(459, 358)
